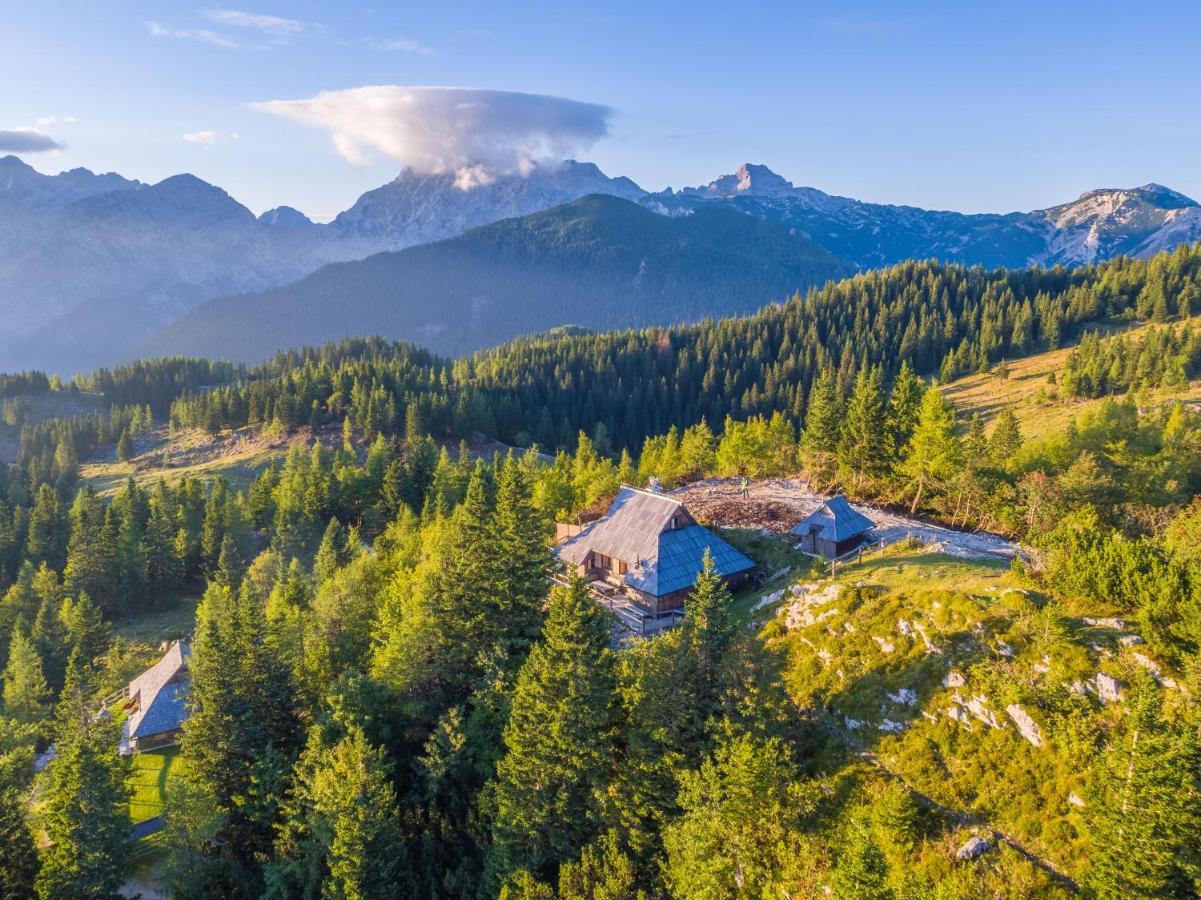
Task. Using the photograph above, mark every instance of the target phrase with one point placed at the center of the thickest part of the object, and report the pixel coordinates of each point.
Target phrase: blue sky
(975, 107)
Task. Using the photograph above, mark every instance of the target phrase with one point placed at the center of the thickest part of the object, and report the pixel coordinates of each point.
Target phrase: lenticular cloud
(473, 133)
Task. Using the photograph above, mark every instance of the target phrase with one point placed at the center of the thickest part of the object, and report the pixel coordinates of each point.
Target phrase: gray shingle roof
(630, 529)
(161, 700)
(836, 520)
(638, 530)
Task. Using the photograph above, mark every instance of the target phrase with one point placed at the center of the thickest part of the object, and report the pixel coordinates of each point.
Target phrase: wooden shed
(833, 529)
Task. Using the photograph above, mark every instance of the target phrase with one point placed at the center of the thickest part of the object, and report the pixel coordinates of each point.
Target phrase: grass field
(1038, 413)
(174, 620)
(235, 456)
(149, 775)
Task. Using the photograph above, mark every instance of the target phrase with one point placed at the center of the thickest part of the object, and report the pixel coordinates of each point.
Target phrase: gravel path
(777, 504)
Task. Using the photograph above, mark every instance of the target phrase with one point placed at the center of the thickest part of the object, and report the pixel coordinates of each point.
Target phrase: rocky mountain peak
(748, 180)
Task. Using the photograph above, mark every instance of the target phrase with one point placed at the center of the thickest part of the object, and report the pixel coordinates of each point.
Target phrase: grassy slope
(988, 394)
(148, 779)
(975, 614)
(236, 456)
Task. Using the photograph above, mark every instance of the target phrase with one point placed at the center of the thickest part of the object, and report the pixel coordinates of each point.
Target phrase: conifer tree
(738, 810)
(230, 567)
(863, 450)
(861, 872)
(933, 454)
(1006, 437)
(521, 548)
(904, 409)
(1146, 812)
(18, 857)
(124, 446)
(86, 815)
(331, 553)
(86, 629)
(559, 741)
(823, 427)
(343, 839)
(25, 687)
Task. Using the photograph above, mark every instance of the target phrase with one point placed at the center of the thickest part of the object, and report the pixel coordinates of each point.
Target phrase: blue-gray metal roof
(166, 712)
(836, 520)
(679, 559)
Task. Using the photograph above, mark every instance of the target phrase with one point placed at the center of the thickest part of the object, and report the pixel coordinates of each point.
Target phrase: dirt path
(777, 504)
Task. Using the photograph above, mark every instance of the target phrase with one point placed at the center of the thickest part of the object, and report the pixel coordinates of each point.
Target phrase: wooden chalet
(833, 529)
(651, 549)
(156, 702)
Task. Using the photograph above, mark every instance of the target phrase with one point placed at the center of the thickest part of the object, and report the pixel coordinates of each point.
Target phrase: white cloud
(400, 44)
(472, 132)
(52, 121)
(209, 137)
(192, 34)
(237, 18)
(27, 140)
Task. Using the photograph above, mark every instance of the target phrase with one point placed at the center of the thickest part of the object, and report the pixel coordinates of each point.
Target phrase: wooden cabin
(156, 702)
(649, 546)
(833, 529)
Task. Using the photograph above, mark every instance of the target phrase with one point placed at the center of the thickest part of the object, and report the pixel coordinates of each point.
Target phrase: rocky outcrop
(1026, 725)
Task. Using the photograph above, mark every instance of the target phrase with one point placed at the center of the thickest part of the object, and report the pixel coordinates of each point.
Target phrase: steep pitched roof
(638, 530)
(835, 520)
(161, 700)
(630, 529)
(679, 560)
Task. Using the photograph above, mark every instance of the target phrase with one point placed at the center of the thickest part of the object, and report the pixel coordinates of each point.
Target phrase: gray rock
(974, 847)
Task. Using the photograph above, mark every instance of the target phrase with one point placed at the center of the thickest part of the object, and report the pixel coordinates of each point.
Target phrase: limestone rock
(1075, 799)
(1114, 623)
(904, 697)
(886, 646)
(954, 678)
(1109, 689)
(973, 848)
(1026, 725)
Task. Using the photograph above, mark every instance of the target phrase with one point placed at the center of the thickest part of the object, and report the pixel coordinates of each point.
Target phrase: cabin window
(622, 568)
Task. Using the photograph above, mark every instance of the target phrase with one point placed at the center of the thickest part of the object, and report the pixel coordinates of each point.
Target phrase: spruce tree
(343, 837)
(904, 409)
(124, 446)
(331, 553)
(18, 857)
(1145, 816)
(560, 741)
(25, 687)
(861, 872)
(863, 450)
(823, 427)
(524, 561)
(1006, 437)
(86, 813)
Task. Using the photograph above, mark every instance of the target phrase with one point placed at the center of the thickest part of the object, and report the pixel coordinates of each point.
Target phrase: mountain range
(91, 265)
(599, 262)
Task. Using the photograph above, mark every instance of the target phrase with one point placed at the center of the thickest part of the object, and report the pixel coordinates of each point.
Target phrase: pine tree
(25, 688)
(709, 623)
(933, 454)
(904, 409)
(738, 810)
(85, 627)
(344, 825)
(86, 810)
(18, 858)
(1146, 812)
(1006, 437)
(331, 553)
(863, 450)
(559, 741)
(124, 446)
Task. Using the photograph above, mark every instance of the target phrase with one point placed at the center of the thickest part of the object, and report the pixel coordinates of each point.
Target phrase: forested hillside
(388, 699)
(600, 262)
